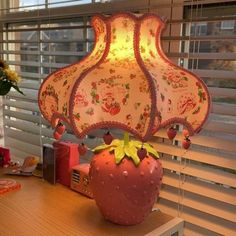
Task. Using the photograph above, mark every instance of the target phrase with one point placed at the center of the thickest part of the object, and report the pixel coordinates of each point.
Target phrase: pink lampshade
(125, 82)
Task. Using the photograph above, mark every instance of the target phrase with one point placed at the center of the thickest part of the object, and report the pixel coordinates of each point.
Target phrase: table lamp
(126, 82)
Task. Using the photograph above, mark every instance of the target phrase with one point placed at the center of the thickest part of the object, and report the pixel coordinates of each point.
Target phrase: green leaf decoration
(135, 159)
(137, 144)
(101, 147)
(116, 142)
(127, 148)
(131, 152)
(151, 150)
(17, 89)
(5, 87)
(119, 154)
(1, 73)
(112, 149)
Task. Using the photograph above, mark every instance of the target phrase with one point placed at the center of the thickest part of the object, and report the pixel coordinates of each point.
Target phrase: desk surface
(40, 208)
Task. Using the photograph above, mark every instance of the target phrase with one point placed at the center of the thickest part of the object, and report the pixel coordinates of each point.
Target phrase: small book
(49, 164)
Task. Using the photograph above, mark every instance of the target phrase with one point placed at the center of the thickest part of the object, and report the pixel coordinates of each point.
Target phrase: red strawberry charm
(186, 143)
(142, 153)
(60, 128)
(82, 148)
(108, 138)
(171, 133)
(185, 133)
(56, 135)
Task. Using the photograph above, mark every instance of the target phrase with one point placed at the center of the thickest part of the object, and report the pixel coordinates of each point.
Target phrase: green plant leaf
(5, 87)
(119, 154)
(17, 89)
(1, 72)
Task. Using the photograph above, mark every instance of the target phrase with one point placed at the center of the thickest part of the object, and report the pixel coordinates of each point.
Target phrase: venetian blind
(199, 185)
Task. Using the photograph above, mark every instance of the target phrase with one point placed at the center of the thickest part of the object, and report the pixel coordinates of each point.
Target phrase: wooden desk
(40, 208)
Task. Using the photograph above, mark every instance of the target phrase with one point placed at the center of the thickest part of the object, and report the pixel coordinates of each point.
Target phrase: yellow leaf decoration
(112, 149)
(119, 154)
(151, 150)
(131, 152)
(117, 142)
(100, 148)
(127, 148)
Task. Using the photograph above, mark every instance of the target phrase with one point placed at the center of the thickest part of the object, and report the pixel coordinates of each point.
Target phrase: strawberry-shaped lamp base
(124, 192)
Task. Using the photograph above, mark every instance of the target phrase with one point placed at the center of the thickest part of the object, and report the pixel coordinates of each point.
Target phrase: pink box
(4, 156)
(80, 179)
(67, 156)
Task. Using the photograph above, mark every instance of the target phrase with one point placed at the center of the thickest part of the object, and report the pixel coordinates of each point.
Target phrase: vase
(125, 193)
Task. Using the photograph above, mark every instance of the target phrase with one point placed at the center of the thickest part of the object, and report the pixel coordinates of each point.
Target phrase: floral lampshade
(125, 82)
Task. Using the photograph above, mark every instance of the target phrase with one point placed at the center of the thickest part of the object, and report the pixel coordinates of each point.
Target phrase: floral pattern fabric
(126, 82)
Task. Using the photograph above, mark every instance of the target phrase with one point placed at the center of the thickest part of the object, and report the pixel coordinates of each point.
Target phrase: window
(35, 49)
(199, 29)
(199, 185)
(227, 25)
(29, 5)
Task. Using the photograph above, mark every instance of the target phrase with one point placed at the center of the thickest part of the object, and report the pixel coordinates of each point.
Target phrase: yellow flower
(3, 64)
(12, 75)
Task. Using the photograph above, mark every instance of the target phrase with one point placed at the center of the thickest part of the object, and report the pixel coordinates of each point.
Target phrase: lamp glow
(125, 82)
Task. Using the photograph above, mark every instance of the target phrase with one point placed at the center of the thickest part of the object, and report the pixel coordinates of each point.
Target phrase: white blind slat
(29, 85)
(207, 173)
(29, 94)
(221, 74)
(201, 219)
(31, 76)
(199, 156)
(19, 155)
(224, 109)
(194, 230)
(204, 140)
(200, 187)
(22, 146)
(22, 116)
(203, 204)
(206, 56)
(23, 125)
(28, 138)
(220, 126)
(223, 92)
(30, 106)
